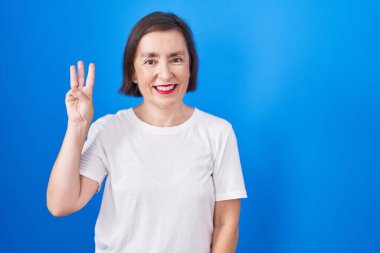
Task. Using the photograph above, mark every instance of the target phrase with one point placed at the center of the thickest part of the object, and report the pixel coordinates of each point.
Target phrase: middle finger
(80, 74)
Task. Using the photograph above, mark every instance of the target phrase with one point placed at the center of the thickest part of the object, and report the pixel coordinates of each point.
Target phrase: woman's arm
(67, 191)
(64, 185)
(226, 226)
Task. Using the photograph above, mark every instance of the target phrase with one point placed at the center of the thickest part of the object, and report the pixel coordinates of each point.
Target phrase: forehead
(162, 42)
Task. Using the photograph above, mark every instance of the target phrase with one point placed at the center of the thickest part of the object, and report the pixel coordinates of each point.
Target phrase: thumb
(78, 93)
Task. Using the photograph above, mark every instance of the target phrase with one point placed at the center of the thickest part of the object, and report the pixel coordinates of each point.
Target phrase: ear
(134, 79)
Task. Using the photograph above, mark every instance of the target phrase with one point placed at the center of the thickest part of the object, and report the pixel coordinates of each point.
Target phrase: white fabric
(162, 182)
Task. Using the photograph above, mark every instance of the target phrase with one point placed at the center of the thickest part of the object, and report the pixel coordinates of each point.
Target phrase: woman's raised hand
(79, 106)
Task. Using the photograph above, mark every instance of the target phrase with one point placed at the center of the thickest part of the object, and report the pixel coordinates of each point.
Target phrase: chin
(167, 103)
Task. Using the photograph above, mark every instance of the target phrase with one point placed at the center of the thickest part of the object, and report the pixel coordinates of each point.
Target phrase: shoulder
(110, 122)
(213, 122)
(217, 129)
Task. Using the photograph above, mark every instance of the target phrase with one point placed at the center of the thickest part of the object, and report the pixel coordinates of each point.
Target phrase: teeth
(162, 88)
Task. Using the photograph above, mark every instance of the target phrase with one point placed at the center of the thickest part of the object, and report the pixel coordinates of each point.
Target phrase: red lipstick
(165, 91)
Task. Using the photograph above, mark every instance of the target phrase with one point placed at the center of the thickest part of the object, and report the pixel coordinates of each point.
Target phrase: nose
(164, 72)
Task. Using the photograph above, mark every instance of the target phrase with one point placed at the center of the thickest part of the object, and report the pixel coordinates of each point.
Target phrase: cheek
(184, 72)
(187, 76)
(144, 75)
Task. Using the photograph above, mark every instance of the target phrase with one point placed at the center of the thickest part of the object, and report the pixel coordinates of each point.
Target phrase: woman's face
(162, 68)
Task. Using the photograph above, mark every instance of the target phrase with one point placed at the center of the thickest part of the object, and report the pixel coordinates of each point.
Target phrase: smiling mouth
(165, 89)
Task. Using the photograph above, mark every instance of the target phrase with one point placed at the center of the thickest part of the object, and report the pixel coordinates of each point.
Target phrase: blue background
(299, 81)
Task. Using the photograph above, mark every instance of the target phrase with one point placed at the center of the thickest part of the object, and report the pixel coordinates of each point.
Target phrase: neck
(163, 117)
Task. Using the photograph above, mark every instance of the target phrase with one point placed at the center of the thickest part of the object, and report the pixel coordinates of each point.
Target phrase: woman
(174, 177)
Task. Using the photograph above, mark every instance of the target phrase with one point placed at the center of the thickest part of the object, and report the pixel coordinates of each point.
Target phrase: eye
(149, 62)
(177, 60)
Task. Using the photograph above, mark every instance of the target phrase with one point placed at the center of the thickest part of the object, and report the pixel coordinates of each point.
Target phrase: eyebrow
(154, 54)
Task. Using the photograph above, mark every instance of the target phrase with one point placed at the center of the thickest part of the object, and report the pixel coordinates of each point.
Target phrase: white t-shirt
(162, 182)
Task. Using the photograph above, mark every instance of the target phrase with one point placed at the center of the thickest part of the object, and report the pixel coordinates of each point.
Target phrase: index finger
(73, 78)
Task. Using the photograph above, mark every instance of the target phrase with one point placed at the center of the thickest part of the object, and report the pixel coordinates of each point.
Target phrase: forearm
(225, 239)
(64, 183)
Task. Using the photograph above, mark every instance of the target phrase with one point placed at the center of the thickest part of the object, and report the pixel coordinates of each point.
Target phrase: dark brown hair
(156, 21)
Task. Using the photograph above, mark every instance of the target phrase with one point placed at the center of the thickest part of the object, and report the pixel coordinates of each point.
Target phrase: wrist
(78, 128)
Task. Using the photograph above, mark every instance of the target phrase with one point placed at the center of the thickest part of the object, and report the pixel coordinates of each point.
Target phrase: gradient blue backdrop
(299, 81)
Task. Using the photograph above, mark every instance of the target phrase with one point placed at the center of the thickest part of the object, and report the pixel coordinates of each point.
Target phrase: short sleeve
(93, 160)
(227, 175)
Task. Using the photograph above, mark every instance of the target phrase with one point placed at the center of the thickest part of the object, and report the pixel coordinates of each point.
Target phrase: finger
(73, 78)
(80, 74)
(70, 97)
(90, 78)
(81, 95)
